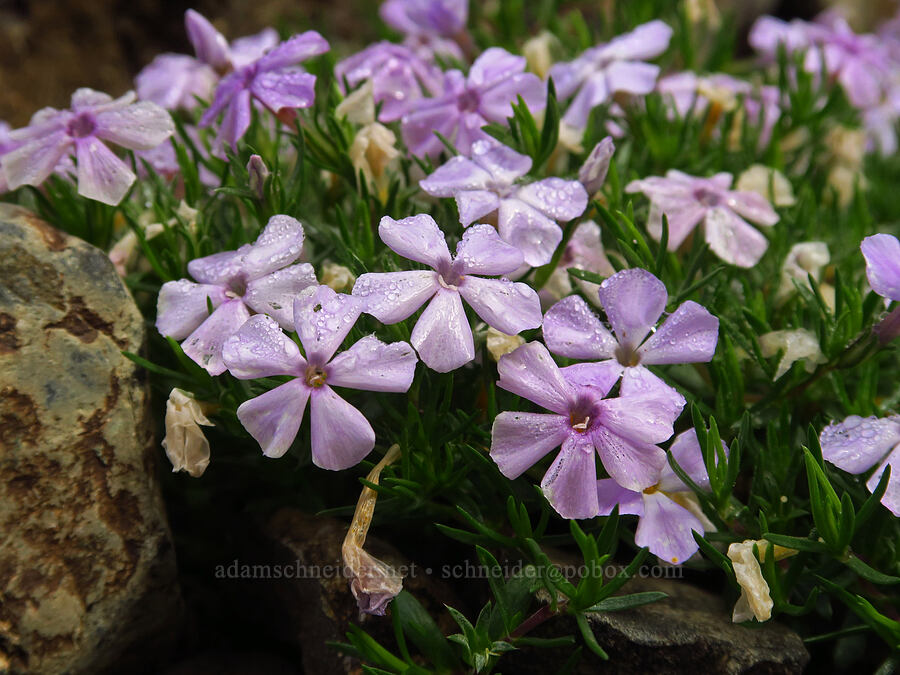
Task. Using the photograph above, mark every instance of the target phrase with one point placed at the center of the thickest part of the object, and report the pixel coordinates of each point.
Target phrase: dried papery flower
(755, 600)
(336, 276)
(359, 106)
(372, 152)
(794, 345)
(804, 260)
(185, 445)
(499, 343)
(537, 53)
(373, 582)
(767, 182)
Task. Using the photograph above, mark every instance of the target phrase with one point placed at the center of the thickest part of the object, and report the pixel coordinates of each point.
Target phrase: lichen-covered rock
(87, 571)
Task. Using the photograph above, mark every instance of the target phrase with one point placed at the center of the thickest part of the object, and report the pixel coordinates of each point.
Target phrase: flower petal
(417, 238)
(685, 449)
(733, 239)
(571, 329)
(598, 378)
(882, 254)
(393, 296)
(504, 164)
(237, 118)
(493, 66)
(641, 419)
(633, 465)
(688, 335)
(496, 102)
(31, 163)
(891, 497)
(526, 228)
(341, 436)
(531, 373)
(482, 251)
(140, 126)
(210, 45)
(592, 93)
(633, 300)
(570, 484)
(610, 494)
(859, 443)
(556, 198)
(631, 77)
(274, 418)
(322, 319)
(101, 175)
(294, 50)
(284, 89)
(638, 381)
(278, 245)
(442, 335)
(455, 175)
(274, 293)
(665, 528)
(260, 349)
(519, 440)
(647, 41)
(182, 306)
(475, 204)
(372, 365)
(419, 125)
(753, 206)
(508, 306)
(204, 345)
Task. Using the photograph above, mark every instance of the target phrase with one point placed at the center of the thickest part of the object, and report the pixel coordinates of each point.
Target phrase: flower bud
(259, 172)
(185, 444)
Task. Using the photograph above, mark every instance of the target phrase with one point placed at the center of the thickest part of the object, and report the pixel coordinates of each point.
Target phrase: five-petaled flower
(274, 80)
(617, 66)
(341, 436)
(687, 200)
(470, 102)
(178, 80)
(859, 443)
(442, 335)
(94, 118)
(633, 300)
(623, 430)
(526, 213)
(258, 277)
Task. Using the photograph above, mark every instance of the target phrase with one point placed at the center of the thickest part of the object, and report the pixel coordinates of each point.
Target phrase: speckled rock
(87, 570)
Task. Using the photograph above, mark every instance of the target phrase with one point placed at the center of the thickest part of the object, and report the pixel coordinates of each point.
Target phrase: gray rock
(688, 632)
(87, 570)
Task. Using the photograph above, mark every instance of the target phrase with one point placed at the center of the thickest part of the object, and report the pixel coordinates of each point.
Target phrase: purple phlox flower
(607, 69)
(341, 436)
(470, 102)
(177, 80)
(634, 301)
(274, 80)
(584, 251)
(691, 92)
(624, 431)
(592, 173)
(258, 277)
(859, 443)
(94, 118)
(442, 335)
(688, 200)
(882, 254)
(668, 510)
(526, 213)
(860, 63)
(399, 77)
(430, 26)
